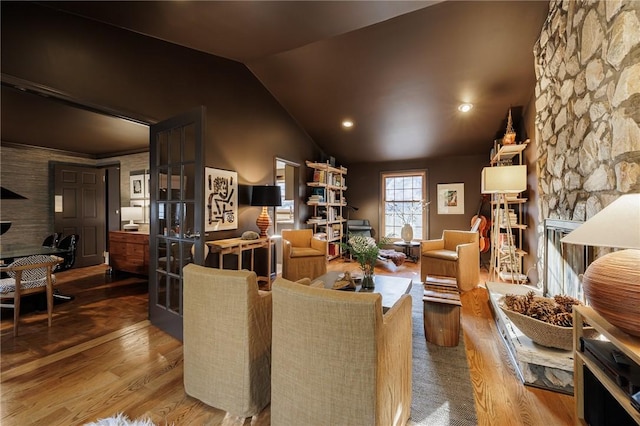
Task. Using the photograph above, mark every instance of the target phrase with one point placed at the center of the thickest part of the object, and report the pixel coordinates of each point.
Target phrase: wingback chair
(337, 360)
(303, 255)
(227, 339)
(28, 275)
(456, 254)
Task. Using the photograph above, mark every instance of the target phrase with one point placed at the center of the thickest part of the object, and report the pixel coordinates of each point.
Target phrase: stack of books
(509, 216)
(315, 198)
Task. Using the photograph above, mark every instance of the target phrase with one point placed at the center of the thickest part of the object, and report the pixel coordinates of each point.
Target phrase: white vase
(406, 233)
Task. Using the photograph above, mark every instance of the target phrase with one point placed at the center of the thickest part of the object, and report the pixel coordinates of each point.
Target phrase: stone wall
(587, 64)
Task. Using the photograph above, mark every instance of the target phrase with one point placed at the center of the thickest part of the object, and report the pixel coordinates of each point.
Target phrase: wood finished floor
(101, 356)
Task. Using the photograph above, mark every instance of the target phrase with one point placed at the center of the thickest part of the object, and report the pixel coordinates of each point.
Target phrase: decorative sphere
(612, 286)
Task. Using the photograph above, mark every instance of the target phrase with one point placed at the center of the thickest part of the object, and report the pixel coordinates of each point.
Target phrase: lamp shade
(266, 195)
(131, 213)
(617, 225)
(7, 194)
(504, 179)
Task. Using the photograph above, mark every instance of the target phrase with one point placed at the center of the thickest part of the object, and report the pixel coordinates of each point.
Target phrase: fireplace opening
(563, 263)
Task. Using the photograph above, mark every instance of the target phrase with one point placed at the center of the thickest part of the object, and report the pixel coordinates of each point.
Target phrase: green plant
(364, 249)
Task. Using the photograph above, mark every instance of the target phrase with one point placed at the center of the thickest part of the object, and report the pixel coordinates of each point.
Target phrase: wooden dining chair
(28, 275)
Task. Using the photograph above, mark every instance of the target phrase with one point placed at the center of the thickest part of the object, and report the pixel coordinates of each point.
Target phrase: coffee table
(390, 288)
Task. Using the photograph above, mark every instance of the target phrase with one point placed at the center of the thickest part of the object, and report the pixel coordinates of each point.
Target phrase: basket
(544, 333)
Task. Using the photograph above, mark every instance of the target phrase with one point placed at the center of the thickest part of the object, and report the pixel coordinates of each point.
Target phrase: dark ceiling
(398, 69)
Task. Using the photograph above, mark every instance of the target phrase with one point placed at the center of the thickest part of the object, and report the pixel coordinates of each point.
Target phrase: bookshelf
(508, 221)
(327, 200)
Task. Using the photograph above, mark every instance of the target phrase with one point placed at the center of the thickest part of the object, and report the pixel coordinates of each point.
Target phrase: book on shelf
(319, 176)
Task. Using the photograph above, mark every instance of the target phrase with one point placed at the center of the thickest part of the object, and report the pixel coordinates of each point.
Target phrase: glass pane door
(176, 224)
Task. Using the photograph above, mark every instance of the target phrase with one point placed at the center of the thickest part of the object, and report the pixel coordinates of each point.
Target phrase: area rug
(442, 390)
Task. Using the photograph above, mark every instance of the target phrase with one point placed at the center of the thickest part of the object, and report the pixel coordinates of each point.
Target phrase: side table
(237, 246)
(406, 247)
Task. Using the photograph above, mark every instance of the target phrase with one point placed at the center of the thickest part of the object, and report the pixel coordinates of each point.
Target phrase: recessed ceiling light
(347, 124)
(465, 107)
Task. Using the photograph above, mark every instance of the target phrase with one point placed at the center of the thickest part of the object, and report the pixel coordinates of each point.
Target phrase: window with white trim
(404, 197)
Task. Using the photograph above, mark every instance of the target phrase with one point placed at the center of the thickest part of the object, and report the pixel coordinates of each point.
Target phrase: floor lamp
(501, 181)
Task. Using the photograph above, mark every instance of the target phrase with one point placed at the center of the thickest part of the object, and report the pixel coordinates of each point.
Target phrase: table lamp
(131, 214)
(265, 196)
(611, 283)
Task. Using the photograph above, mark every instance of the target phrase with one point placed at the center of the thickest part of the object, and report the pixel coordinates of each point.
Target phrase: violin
(482, 228)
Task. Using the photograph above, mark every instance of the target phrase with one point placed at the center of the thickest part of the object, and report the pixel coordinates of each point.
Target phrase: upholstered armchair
(303, 256)
(28, 275)
(337, 360)
(227, 339)
(456, 254)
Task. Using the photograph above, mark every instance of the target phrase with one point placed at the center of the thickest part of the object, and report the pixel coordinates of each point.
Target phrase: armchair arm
(264, 307)
(286, 248)
(395, 364)
(468, 265)
(318, 244)
(428, 245)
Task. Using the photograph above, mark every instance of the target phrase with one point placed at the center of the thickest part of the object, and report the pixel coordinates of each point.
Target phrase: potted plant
(365, 250)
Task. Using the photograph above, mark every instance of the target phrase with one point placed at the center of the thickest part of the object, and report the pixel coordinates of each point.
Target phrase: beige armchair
(456, 254)
(337, 360)
(227, 339)
(303, 256)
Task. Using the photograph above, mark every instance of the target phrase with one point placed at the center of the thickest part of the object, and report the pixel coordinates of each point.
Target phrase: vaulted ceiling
(398, 69)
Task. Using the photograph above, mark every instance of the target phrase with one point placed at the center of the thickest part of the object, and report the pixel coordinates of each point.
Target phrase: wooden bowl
(543, 333)
(612, 286)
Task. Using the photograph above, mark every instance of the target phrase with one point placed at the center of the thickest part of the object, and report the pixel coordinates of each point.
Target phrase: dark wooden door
(176, 213)
(82, 189)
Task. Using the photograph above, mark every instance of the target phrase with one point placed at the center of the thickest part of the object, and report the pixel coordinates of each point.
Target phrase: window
(404, 200)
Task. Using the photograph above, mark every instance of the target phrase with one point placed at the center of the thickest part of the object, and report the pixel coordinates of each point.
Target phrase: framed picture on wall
(451, 198)
(137, 186)
(221, 199)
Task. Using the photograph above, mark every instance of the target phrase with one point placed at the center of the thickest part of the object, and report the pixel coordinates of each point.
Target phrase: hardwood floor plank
(57, 356)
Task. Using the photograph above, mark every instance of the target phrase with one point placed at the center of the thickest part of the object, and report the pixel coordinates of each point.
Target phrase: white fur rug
(121, 419)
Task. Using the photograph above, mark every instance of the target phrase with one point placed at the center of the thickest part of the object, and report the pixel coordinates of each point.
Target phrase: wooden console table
(238, 246)
(129, 251)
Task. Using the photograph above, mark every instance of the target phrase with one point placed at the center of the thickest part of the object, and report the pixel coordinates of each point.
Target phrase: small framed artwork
(451, 198)
(221, 197)
(137, 186)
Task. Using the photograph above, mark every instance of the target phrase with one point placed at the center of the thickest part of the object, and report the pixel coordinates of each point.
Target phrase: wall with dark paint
(364, 180)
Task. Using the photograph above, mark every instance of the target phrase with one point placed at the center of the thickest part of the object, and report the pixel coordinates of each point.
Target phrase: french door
(176, 219)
